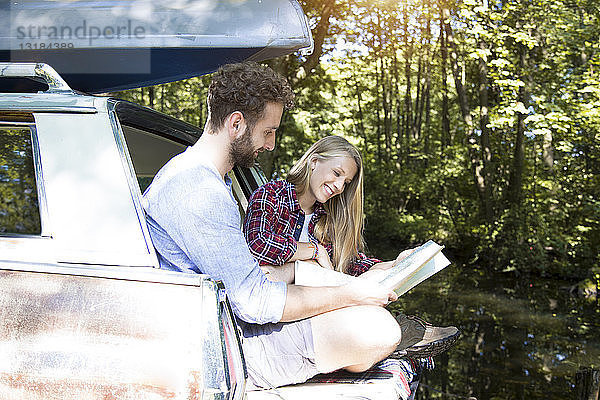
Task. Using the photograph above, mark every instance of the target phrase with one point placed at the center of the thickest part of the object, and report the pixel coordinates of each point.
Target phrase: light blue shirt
(194, 222)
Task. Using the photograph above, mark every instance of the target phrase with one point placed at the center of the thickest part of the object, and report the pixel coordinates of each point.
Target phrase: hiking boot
(420, 339)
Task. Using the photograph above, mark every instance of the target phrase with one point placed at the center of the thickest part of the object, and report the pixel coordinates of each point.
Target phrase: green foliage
(483, 135)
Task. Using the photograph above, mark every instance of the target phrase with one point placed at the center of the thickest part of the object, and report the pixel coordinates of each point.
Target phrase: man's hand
(365, 292)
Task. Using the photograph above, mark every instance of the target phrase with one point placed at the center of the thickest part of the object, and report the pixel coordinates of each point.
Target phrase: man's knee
(376, 336)
(369, 327)
(354, 337)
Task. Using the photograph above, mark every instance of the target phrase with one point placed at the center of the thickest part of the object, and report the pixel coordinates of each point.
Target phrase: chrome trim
(140, 274)
(221, 326)
(38, 72)
(10, 123)
(23, 236)
(259, 176)
(245, 182)
(58, 109)
(215, 383)
(131, 180)
(41, 188)
(241, 389)
(238, 193)
(305, 51)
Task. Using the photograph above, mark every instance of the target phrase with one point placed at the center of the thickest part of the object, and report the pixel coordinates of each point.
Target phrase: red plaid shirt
(273, 216)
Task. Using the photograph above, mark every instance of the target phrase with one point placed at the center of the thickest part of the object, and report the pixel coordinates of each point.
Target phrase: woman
(315, 214)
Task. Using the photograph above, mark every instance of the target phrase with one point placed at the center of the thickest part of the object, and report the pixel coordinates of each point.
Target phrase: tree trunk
(476, 167)
(162, 101)
(377, 111)
(445, 139)
(426, 91)
(361, 125)
(151, 96)
(484, 120)
(548, 152)
(387, 117)
(587, 384)
(407, 77)
(416, 125)
(319, 34)
(398, 140)
(515, 184)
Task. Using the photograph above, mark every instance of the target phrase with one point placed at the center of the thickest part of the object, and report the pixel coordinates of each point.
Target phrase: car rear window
(19, 207)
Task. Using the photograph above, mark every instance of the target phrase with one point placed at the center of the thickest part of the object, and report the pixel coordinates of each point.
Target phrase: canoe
(109, 45)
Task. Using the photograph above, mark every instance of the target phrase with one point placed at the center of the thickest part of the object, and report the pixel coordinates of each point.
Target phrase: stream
(522, 338)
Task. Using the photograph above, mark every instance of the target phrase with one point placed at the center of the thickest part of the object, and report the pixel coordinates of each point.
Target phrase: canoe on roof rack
(102, 46)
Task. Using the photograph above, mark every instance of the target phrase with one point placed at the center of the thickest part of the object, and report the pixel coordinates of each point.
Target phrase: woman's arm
(364, 265)
(305, 251)
(269, 247)
(262, 215)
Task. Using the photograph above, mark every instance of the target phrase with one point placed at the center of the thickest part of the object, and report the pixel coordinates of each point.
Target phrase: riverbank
(522, 338)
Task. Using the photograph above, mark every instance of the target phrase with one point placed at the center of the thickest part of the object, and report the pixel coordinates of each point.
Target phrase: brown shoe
(420, 339)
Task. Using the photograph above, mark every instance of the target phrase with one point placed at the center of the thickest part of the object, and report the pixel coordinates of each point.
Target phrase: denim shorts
(278, 354)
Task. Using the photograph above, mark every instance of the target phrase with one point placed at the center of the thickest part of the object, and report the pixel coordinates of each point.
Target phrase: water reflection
(521, 339)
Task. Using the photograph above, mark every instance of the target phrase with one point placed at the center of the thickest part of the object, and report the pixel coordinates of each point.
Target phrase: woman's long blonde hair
(343, 224)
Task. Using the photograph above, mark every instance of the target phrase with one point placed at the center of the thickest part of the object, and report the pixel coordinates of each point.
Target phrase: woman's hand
(389, 264)
(404, 254)
(323, 257)
(279, 273)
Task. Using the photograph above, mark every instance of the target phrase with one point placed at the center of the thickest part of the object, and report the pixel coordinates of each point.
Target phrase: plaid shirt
(273, 222)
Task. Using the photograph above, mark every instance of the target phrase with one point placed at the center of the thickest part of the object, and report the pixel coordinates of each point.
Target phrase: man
(195, 227)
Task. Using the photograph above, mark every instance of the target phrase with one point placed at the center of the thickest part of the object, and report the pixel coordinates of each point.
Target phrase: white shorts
(278, 354)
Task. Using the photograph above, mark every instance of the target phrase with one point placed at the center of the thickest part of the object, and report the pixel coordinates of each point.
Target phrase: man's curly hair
(245, 87)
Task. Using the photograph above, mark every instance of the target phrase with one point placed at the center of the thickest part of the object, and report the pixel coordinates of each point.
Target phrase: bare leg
(279, 273)
(354, 338)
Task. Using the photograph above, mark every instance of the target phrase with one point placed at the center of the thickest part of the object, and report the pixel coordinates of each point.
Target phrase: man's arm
(305, 301)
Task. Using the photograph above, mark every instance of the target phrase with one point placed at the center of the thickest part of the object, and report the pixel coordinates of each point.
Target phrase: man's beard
(242, 150)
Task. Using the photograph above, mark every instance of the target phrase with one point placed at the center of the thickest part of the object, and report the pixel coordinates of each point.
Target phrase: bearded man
(290, 332)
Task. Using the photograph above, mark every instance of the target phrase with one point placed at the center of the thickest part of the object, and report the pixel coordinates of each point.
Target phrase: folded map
(423, 262)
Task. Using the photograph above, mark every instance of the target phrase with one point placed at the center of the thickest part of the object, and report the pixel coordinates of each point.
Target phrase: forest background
(478, 122)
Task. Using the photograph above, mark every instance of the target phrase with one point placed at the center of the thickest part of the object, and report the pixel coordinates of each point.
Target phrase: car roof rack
(38, 72)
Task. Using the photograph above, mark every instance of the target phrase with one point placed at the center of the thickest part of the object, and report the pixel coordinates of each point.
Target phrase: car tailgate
(66, 336)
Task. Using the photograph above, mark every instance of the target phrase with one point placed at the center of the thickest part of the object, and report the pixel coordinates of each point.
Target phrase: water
(521, 338)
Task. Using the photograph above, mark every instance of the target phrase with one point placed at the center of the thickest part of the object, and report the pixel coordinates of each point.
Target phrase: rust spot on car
(13, 386)
(196, 384)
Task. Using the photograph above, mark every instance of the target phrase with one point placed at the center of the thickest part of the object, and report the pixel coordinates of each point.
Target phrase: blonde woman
(315, 214)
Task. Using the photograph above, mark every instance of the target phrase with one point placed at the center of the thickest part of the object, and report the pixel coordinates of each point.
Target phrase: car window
(19, 207)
